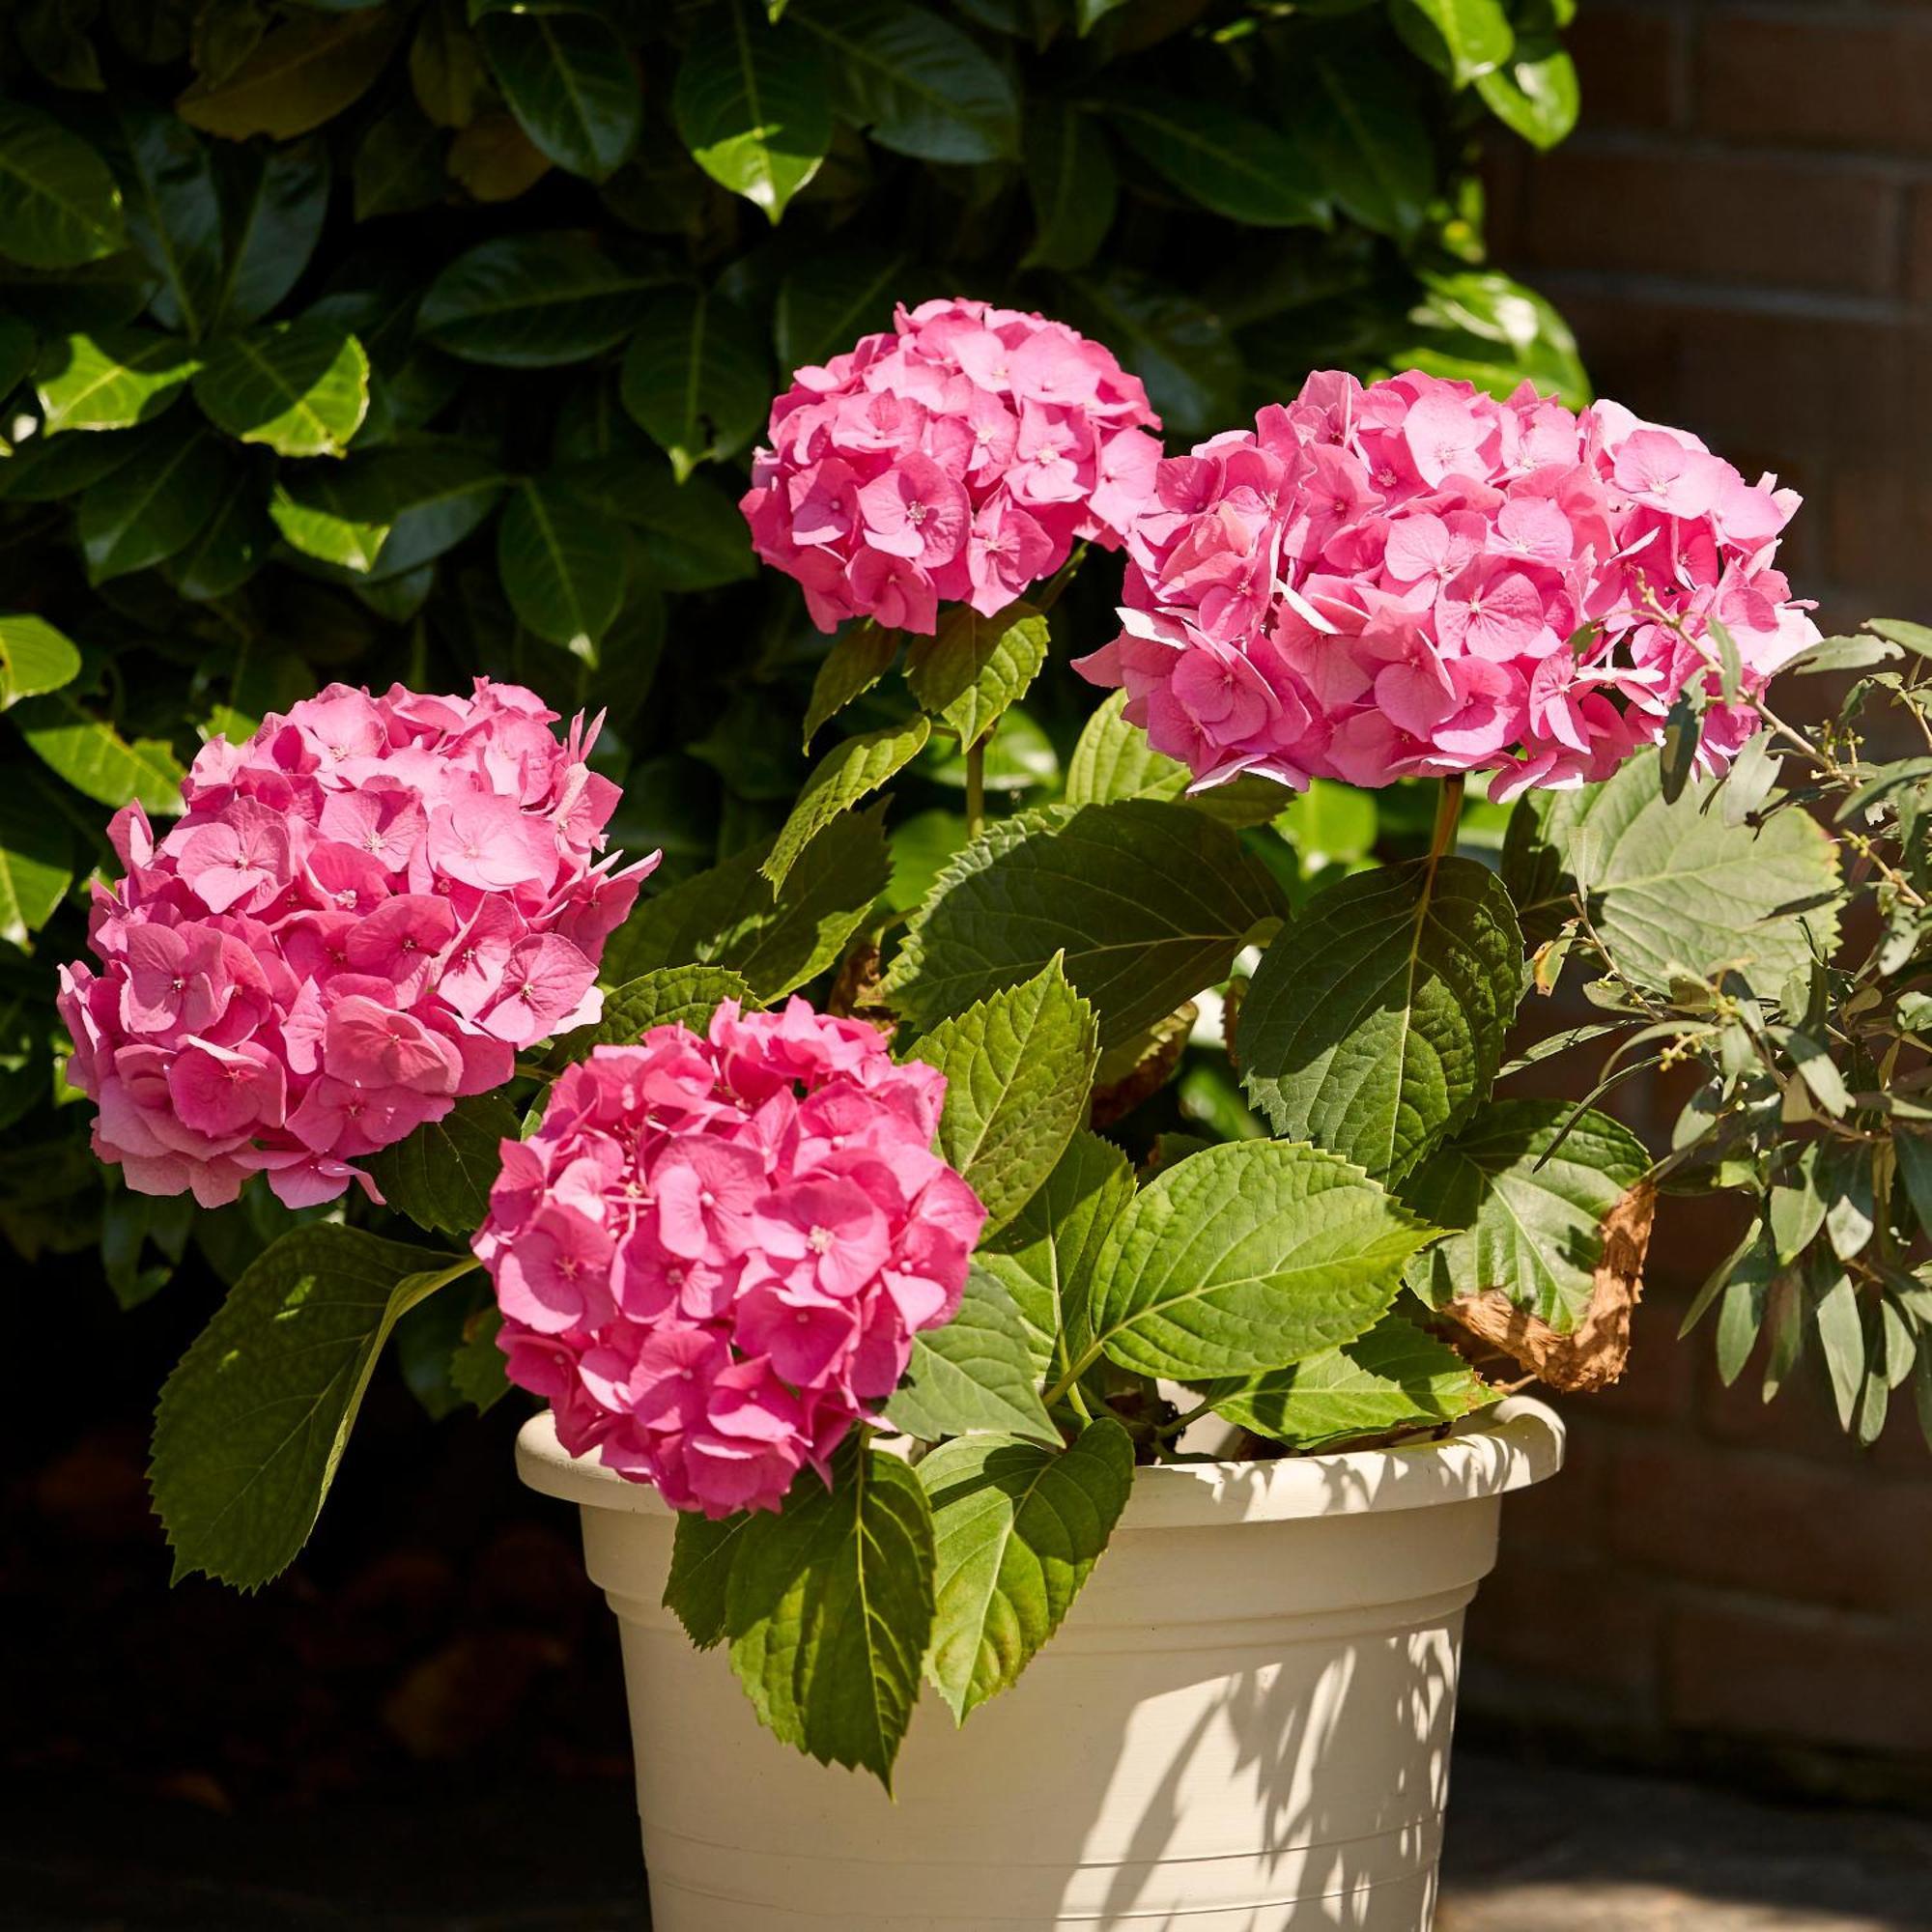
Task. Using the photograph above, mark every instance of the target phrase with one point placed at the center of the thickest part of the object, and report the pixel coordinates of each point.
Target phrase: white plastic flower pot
(1243, 1724)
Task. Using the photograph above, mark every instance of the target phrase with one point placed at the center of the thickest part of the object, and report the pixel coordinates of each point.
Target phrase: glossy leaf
(273, 205)
(59, 205)
(1537, 98)
(562, 564)
(96, 760)
(1071, 176)
(35, 658)
(144, 514)
(691, 533)
(1360, 123)
(696, 378)
(174, 215)
(301, 74)
(299, 387)
(569, 79)
(112, 380)
(1218, 156)
(1465, 38)
(860, 655)
(35, 859)
(527, 302)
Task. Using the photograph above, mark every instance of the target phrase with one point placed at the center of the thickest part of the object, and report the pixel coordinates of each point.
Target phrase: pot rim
(1517, 1443)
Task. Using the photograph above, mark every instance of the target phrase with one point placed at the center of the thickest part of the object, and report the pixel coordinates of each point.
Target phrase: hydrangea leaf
(860, 655)
(1149, 904)
(975, 1372)
(59, 207)
(299, 387)
(35, 658)
(570, 82)
(697, 379)
(1113, 759)
(1393, 1376)
(478, 1370)
(972, 669)
(1017, 1529)
(673, 995)
(1531, 1211)
(531, 302)
(1248, 1256)
(1375, 1023)
(731, 917)
(1045, 1256)
(111, 380)
(829, 1610)
(753, 104)
(1018, 1065)
(701, 1554)
(851, 770)
(252, 1423)
(440, 1174)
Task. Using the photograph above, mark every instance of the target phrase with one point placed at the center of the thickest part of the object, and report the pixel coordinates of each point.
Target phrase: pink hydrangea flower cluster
(364, 913)
(960, 458)
(1415, 579)
(714, 1253)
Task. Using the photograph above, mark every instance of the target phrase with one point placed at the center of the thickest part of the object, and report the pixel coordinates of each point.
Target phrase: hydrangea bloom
(1415, 579)
(959, 459)
(366, 910)
(714, 1253)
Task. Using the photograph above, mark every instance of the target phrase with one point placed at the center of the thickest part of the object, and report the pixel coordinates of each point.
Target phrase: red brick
(1774, 1525)
(1759, 1671)
(1570, 1621)
(1630, 62)
(1801, 1421)
(1818, 77)
(1879, 530)
(1773, 222)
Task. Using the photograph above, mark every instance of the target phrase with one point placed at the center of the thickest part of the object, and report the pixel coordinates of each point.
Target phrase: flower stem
(1448, 816)
(976, 787)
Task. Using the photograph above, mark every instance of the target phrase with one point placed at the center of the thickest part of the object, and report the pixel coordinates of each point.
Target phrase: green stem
(1448, 817)
(1060, 1388)
(975, 788)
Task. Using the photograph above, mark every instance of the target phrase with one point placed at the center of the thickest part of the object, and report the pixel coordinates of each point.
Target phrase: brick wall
(1740, 231)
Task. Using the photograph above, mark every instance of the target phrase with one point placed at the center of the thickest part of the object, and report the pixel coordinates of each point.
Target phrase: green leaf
(59, 207)
(692, 533)
(300, 74)
(1017, 1530)
(1464, 37)
(1480, 326)
(45, 469)
(1531, 1210)
(1674, 889)
(440, 1174)
(853, 769)
(477, 1369)
(1841, 1338)
(1180, 349)
(254, 1419)
(834, 297)
(36, 860)
(35, 658)
(696, 378)
(1221, 159)
(143, 515)
(530, 301)
(428, 495)
(829, 1610)
(174, 215)
(672, 996)
(273, 205)
(731, 917)
(915, 82)
(325, 513)
(860, 655)
(1362, 125)
(400, 166)
(112, 380)
(1071, 176)
(571, 83)
(301, 387)
(1113, 760)
(1537, 98)
(701, 1554)
(753, 103)
(975, 1373)
(562, 564)
(1046, 1254)
(972, 669)
(1248, 1256)
(1394, 1377)
(96, 760)
(1375, 1023)
(1018, 1066)
(1149, 904)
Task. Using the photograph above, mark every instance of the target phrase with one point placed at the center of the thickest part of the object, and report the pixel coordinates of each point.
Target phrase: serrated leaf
(829, 1610)
(477, 1369)
(254, 1419)
(1227, 162)
(701, 1554)
(1375, 1023)
(860, 655)
(696, 378)
(853, 769)
(96, 760)
(914, 81)
(1017, 1529)
(142, 515)
(301, 74)
(35, 658)
(975, 1372)
(973, 668)
(1149, 902)
(1531, 1219)
(1113, 760)
(753, 103)
(531, 302)
(1071, 180)
(59, 207)
(570, 81)
(299, 387)
(112, 380)
(440, 1174)
(1018, 1065)
(731, 917)
(673, 996)
(562, 563)
(1248, 1256)
(1045, 1256)
(1394, 1377)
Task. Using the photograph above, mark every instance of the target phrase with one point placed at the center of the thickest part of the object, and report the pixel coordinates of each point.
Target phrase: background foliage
(419, 339)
